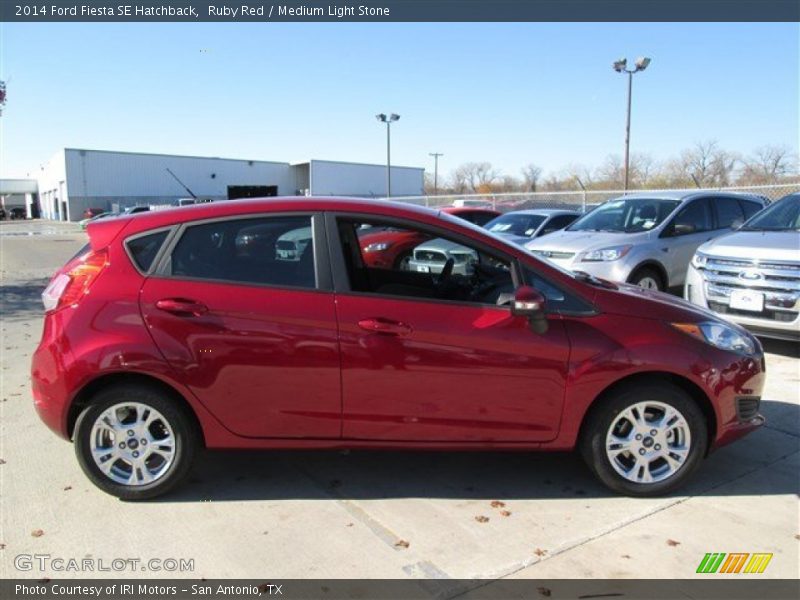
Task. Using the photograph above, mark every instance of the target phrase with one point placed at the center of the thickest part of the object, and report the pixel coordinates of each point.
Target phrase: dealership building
(77, 179)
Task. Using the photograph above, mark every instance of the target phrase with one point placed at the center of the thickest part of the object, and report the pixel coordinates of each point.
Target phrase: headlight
(605, 254)
(699, 260)
(378, 247)
(720, 335)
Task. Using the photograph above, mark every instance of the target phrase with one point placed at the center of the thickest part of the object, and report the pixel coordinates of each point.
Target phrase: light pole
(621, 66)
(435, 156)
(388, 120)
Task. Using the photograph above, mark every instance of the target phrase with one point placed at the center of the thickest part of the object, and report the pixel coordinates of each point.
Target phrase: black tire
(593, 438)
(184, 430)
(401, 262)
(648, 274)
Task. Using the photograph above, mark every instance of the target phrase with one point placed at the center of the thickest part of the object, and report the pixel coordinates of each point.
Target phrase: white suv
(752, 276)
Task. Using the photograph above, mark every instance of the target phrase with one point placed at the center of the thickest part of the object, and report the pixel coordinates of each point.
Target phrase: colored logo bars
(734, 562)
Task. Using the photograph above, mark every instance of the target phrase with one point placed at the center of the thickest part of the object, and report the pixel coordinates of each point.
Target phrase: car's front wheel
(648, 278)
(645, 440)
(134, 442)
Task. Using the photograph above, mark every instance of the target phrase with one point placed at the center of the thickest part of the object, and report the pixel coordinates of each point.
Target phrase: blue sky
(505, 93)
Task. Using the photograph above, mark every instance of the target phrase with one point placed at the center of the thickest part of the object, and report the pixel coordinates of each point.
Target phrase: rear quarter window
(143, 249)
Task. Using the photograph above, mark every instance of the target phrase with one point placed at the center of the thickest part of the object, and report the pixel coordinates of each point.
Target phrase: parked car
(391, 247)
(522, 226)
(104, 215)
(752, 276)
(3, 214)
(93, 212)
(17, 213)
(132, 210)
(646, 239)
(178, 340)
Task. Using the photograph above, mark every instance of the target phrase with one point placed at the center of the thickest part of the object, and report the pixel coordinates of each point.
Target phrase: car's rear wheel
(648, 278)
(134, 442)
(401, 262)
(645, 440)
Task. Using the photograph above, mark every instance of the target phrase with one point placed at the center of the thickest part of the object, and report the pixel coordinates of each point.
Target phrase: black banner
(713, 587)
(398, 10)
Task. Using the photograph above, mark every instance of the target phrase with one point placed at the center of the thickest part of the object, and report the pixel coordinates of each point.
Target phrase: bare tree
(768, 164)
(474, 177)
(705, 164)
(531, 174)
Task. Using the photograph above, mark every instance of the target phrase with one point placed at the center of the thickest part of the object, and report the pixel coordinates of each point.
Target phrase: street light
(435, 156)
(388, 120)
(621, 66)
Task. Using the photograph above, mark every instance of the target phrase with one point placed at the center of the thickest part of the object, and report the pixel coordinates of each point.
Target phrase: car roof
(545, 212)
(686, 195)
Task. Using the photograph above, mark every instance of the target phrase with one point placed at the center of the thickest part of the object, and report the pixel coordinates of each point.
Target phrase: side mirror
(530, 303)
(683, 228)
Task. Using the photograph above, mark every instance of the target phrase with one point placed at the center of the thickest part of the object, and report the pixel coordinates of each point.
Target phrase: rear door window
(728, 212)
(264, 251)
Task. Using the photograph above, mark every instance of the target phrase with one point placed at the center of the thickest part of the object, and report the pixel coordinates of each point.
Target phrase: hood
(759, 245)
(519, 240)
(579, 241)
(634, 301)
(442, 245)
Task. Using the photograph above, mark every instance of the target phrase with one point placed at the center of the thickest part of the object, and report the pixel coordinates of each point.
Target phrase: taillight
(67, 288)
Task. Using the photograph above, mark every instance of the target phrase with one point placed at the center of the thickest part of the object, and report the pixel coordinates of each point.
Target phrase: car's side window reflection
(386, 259)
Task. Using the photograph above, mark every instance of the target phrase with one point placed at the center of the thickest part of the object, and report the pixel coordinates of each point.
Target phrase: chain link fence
(576, 200)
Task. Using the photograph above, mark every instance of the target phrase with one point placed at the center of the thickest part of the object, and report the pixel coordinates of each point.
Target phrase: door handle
(182, 306)
(384, 326)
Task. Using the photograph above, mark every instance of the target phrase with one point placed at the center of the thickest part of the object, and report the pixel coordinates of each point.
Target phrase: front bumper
(779, 318)
(420, 266)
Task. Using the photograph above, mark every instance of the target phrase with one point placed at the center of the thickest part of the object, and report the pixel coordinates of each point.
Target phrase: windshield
(629, 215)
(515, 224)
(784, 215)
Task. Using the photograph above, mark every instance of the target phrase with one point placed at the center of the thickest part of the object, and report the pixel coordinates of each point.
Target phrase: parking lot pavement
(379, 514)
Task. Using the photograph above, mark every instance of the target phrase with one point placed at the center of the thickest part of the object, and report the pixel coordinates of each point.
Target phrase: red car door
(429, 370)
(251, 335)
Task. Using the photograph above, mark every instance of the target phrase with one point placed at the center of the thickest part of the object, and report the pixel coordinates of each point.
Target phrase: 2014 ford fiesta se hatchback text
(189, 327)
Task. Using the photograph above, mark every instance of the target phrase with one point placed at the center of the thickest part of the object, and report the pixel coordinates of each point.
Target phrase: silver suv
(646, 239)
(752, 276)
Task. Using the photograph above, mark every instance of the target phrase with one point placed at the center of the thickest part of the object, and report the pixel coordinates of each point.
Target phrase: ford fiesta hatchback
(187, 328)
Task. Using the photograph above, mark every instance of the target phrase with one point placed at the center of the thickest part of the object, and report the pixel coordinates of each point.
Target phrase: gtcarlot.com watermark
(48, 562)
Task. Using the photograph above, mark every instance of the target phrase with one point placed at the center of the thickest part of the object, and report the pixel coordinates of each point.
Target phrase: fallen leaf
(2, 546)
(482, 519)
(349, 525)
(540, 552)
(672, 543)
(67, 488)
(497, 504)
(543, 591)
(401, 544)
(626, 556)
(37, 533)
(505, 513)
(2, 462)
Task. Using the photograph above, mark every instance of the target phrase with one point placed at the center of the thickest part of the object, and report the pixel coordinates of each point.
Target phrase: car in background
(93, 212)
(132, 210)
(752, 276)
(389, 247)
(646, 239)
(17, 213)
(162, 338)
(104, 215)
(521, 226)
(292, 244)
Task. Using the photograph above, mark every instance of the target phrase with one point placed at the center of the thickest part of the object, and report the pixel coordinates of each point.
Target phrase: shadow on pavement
(781, 347)
(22, 301)
(367, 475)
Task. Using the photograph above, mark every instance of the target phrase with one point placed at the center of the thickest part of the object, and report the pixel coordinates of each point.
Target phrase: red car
(165, 335)
(391, 248)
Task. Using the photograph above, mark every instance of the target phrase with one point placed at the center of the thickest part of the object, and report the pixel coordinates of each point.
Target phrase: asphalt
(378, 514)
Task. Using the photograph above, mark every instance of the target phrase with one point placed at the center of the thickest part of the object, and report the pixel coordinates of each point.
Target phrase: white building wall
(331, 178)
(100, 179)
(53, 191)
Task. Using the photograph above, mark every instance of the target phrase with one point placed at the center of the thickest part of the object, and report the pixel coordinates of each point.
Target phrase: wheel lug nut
(135, 454)
(638, 436)
(642, 451)
(144, 442)
(658, 446)
(122, 445)
(653, 432)
(130, 432)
